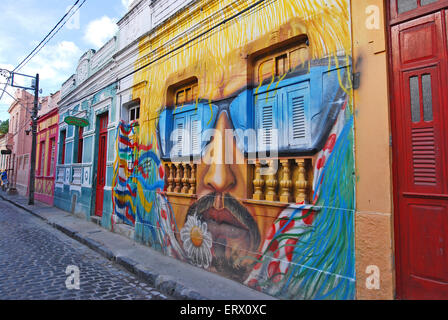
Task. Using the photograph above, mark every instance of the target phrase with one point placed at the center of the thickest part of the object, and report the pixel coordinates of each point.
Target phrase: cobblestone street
(34, 258)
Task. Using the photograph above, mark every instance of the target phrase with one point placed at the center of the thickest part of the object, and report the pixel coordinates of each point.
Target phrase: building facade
(6, 147)
(85, 153)
(272, 207)
(19, 130)
(297, 147)
(46, 154)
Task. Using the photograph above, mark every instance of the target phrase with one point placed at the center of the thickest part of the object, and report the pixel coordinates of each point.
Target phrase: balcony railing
(60, 174)
(77, 176)
(181, 178)
(285, 180)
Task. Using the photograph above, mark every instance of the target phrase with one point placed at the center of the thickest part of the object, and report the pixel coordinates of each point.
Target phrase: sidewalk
(170, 276)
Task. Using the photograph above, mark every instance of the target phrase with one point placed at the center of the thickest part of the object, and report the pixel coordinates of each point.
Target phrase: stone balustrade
(285, 180)
(60, 174)
(181, 178)
(77, 176)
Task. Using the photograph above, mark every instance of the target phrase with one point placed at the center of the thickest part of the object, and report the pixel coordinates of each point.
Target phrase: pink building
(47, 141)
(20, 139)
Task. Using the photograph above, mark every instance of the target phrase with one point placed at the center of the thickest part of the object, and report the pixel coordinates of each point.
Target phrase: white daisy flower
(197, 242)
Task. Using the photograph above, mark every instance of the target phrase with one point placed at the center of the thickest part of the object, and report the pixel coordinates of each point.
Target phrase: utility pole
(11, 75)
(34, 141)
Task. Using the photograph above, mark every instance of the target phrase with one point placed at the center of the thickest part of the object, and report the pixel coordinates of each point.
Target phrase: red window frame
(52, 156)
(396, 17)
(41, 158)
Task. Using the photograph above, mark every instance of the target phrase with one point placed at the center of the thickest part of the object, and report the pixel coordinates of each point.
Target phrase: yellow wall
(223, 71)
(374, 219)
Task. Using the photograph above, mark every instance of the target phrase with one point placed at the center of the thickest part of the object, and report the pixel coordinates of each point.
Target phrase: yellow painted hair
(327, 24)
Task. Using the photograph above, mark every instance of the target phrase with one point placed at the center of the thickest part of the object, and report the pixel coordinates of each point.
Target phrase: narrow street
(34, 258)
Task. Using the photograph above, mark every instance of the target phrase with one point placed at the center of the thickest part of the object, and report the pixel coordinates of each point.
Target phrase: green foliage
(4, 127)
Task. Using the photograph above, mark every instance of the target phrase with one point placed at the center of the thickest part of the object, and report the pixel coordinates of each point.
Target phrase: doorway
(101, 167)
(419, 115)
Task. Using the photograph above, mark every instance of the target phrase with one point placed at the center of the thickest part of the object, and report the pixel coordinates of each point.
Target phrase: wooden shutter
(266, 114)
(179, 126)
(297, 98)
(423, 118)
(195, 134)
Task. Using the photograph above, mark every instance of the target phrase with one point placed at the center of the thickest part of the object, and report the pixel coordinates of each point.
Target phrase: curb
(165, 284)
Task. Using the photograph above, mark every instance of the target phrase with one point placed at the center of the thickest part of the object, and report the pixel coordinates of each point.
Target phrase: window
(419, 105)
(293, 101)
(187, 126)
(282, 111)
(52, 156)
(401, 10)
(408, 5)
(42, 159)
(134, 113)
(280, 63)
(80, 143)
(63, 137)
(25, 162)
(186, 121)
(186, 94)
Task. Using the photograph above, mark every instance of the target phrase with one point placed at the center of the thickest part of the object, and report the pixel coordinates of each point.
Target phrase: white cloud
(6, 99)
(55, 63)
(126, 3)
(23, 15)
(99, 31)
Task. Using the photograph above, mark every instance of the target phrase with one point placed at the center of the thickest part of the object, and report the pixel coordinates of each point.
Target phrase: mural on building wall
(289, 233)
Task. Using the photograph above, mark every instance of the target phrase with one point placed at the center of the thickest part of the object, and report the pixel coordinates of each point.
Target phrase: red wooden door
(420, 155)
(101, 168)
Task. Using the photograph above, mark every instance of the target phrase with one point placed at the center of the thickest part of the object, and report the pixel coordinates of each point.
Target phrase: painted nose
(219, 176)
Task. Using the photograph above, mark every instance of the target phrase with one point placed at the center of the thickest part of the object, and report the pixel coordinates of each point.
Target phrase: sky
(24, 23)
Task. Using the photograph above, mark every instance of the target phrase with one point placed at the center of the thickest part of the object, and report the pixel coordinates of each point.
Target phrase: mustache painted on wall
(238, 211)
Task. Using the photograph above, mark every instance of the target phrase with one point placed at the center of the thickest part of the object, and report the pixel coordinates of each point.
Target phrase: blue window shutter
(195, 134)
(298, 99)
(179, 143)
(266, 117)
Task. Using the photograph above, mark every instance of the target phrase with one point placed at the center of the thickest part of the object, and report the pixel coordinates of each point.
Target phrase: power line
(18, 102)
(21, 64)
(174, 50)
(51, 37)
(42, 44)
(4, 88)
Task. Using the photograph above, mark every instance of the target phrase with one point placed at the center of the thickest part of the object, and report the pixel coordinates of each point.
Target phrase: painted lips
(231, 221)
(223, 224)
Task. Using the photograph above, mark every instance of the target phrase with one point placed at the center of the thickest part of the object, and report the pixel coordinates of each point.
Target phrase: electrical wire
(35, 51)
(18, 102)
(173, 50)
(51, 37)
(6, 84)
(21, 64)
(42, 44)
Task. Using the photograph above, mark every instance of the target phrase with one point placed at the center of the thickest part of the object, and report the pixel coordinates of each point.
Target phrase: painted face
(234, 228)
(221, 227)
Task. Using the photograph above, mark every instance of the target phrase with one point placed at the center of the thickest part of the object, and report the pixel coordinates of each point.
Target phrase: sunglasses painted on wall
(293, 115)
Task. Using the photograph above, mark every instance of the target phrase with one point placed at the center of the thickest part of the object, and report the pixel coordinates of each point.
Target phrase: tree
(4, 127)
